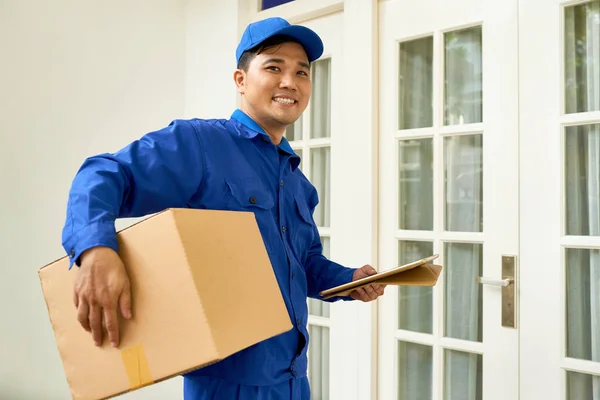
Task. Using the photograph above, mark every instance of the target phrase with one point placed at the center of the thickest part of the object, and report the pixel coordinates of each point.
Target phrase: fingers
(369, 292)
(125, 302)
(112, 325)
(96, 323)
(83, 314)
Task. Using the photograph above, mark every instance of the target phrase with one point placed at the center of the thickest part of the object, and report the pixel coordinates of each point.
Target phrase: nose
(288, 81)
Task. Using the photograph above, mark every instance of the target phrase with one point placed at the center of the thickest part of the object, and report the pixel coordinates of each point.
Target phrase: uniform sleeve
(163, 169)
(322, 273)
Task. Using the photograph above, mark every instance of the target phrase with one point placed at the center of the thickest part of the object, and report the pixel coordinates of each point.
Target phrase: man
(243, 163)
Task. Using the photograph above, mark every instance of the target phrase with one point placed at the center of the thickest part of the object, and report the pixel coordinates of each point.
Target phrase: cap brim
(312, 43)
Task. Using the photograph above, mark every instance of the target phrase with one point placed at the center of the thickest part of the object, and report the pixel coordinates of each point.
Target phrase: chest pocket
(304, 231)
(248, 195)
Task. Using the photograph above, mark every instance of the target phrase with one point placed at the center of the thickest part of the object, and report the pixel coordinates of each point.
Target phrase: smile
(284, 100)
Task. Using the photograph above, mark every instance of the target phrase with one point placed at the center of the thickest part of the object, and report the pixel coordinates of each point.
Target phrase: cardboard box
(203, 288)
(417, 273)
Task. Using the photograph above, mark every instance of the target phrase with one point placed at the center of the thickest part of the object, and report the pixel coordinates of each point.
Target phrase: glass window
(415, 367)
(416, 84)
(582, 180)
(266, 4)
(582, 57)
(463, 77)
(463, 181)
(463, 375)
(320, 109)
(415, 190)
(463, 295)
(415, 303)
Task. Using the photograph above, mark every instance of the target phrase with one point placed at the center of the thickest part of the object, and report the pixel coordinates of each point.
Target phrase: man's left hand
(369, 292)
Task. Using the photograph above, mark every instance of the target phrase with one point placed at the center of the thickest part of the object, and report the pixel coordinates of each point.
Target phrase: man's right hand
(101, 287)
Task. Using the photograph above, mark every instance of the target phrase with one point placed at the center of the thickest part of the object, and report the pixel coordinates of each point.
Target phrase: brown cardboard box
(417, 273)
(203, 288)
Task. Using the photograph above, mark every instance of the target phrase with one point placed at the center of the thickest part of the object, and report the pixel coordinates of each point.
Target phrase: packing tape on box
(136, 366)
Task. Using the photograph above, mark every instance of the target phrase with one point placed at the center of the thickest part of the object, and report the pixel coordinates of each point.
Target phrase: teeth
(284, 101)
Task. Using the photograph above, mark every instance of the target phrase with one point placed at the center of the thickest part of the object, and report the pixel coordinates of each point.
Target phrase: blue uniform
(227, 164)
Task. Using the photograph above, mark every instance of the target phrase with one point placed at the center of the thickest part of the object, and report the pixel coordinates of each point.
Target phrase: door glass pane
(583, 304)
(463, 182)
(416, 84)
(415, 304)
(582, 180)
(582, 386)
(463, 376)
(320, 167)
(415, 365)
(463, 295)
(582, 57)
(266, 4)
(320, 109)
(415, 189)
(318, 362)
(294, 131)
(463, 77)
(318, 307)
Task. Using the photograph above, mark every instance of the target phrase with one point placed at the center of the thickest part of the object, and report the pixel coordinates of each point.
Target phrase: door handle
(494, 282)
(507, 283)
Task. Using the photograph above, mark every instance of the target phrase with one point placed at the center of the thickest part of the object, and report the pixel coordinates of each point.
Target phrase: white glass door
(448, 185)
(560, 199)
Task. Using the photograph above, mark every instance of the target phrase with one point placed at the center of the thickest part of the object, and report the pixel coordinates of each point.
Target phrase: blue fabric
(259, 31)
(203, 388)
(228, 164)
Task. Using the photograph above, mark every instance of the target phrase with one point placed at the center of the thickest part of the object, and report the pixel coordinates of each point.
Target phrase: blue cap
(258, 32)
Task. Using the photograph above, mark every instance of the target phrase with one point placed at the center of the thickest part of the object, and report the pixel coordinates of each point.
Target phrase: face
(276, 88)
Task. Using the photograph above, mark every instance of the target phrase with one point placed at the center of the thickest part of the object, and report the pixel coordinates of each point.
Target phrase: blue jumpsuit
(227, 164)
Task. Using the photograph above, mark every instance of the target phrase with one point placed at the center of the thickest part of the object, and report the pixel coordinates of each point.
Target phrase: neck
(275, 133)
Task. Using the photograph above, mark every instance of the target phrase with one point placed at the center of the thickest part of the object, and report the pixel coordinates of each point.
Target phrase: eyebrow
(281, 61)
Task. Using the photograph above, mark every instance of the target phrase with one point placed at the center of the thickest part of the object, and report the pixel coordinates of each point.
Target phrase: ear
(239, 77)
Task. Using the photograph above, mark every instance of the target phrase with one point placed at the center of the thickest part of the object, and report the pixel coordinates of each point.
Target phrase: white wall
(78, 78)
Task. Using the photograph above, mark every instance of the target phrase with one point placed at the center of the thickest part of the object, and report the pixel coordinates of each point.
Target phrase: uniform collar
(254, 129)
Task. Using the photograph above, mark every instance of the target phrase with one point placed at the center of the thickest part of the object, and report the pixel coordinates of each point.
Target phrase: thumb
(125, 302)
(368, 270)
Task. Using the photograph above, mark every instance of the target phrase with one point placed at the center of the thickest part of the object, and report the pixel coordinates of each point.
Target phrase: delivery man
(241, 163)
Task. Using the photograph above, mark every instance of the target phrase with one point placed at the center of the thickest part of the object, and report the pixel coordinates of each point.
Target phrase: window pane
(320, 109)
(581, 386)
(266, 4)
(463, 77)
(583, 304)
(463, 158)
(415, 304)
(582, 57)
(416, 84)
(462, 375)
(318, 307)
(318, 362)
(294, 131)
(463, 296)
(415, 365)
(415, 197)
(582, 158)
(320, 168)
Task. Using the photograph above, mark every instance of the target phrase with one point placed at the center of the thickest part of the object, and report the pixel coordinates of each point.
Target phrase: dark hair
(273, 41)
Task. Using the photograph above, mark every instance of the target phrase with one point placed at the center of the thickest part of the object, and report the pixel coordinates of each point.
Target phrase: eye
(302, 73)
(272, 68)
